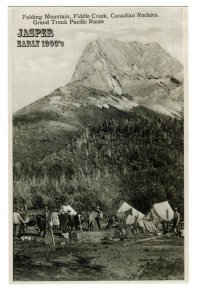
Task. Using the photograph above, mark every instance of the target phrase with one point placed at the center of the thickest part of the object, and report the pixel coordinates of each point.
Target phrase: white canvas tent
(135, 213)
(65, 208)
(148, 226)
(160, 212)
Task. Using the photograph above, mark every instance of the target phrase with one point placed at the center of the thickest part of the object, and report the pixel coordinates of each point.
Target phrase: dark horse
(40, 221)
(119, 217)
(68, 222)
(77, 222)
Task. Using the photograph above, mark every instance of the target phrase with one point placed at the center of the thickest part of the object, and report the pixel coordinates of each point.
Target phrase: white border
(117, 291)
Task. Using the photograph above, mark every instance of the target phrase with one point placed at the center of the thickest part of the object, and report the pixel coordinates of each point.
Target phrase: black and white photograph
(98, 132)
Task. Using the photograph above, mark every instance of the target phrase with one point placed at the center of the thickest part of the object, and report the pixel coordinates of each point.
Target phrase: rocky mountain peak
(111, 65)
(120, 75)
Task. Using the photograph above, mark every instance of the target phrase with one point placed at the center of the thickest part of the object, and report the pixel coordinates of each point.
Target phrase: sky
(36, 72)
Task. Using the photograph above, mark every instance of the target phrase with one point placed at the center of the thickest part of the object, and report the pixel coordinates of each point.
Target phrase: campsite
(122, 251)
(109, 143)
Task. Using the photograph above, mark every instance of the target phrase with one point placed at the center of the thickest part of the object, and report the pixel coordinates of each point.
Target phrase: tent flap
(135, 213)
(160, 212)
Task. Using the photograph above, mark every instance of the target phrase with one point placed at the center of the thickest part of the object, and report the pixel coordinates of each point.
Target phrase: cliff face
(145, 73)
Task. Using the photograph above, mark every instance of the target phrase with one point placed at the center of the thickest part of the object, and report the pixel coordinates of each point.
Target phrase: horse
(90, 221)
(111, 221)
(42, 224)
(89, 217)
(119, 217)
(77, 222)
(40, 221)
(66, 222)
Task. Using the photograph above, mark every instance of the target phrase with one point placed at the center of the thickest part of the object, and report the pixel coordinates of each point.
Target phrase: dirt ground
(72, 260)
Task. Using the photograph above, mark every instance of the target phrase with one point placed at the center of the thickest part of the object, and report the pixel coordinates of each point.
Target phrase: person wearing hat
(99, 218)
(176, 221)
(17, 222)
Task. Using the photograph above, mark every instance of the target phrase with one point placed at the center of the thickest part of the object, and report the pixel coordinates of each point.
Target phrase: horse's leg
(70, 227)
(124, 221)
(65, 228)
(40, 231)
(113, 221)
(44, 232)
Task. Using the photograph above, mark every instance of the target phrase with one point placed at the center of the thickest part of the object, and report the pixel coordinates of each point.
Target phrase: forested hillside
(137, 158)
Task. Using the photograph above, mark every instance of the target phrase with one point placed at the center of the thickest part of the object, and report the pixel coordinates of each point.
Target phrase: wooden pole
(142, 240)
(52, 235)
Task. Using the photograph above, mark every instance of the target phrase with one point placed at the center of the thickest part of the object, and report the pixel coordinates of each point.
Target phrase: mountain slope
(123, 75)
(112, 79)
(145, 73)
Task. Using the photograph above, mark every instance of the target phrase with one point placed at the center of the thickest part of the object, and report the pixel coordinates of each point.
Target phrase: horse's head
(129, 212)
(31, 220)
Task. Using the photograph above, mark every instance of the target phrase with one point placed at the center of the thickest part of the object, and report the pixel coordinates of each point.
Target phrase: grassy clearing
(38, 260)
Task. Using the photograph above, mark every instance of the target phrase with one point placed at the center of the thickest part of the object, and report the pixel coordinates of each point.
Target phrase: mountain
(122, 75)
(111, 78)
(144, 73)
(115, 129)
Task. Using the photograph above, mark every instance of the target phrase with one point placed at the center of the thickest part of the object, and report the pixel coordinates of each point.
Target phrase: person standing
(99, 218)
(46, 213)
(90, 221)
(17, 222)
(54, 219)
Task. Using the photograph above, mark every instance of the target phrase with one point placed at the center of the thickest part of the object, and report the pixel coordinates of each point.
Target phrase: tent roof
(125, 206)
(68, 207)
(160, 211)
